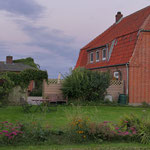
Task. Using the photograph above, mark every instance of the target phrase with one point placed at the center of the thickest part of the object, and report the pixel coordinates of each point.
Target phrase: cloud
(61, 49)
(52, 40)
(27, 8)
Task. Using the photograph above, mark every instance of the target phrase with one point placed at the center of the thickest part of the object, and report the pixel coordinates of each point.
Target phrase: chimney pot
(118, 16)
(9, 59)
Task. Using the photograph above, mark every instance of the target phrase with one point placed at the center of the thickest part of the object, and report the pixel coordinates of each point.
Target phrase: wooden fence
(54, 87)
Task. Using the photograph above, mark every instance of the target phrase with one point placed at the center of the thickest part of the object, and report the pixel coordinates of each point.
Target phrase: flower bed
(80, 130)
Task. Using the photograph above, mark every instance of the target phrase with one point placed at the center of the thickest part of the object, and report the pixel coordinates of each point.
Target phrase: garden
(75, 127)
(87, 121)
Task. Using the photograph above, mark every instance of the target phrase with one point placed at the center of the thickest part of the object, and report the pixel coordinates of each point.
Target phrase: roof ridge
(136, 12)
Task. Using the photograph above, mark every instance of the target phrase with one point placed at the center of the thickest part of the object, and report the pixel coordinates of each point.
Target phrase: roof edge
(108, 66)
(141, 30)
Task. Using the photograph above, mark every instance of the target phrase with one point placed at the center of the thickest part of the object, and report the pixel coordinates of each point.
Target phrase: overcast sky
(53, 31)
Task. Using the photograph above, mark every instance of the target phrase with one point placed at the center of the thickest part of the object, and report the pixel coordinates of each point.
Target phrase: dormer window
(97, 56)
(104, 54)
(91, 57)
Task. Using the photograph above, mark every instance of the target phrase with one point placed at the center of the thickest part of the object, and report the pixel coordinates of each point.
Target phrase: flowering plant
(79, 129)
(10, 132)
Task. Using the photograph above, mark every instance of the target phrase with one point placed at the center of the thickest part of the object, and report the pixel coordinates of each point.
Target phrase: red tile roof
(125, 32)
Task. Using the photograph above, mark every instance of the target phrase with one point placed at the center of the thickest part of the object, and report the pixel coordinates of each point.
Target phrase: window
(91, 57)
(97, 56)
(104, 54)
(116, 75)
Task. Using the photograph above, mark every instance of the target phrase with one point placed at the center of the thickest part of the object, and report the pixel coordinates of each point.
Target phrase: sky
(52, 32)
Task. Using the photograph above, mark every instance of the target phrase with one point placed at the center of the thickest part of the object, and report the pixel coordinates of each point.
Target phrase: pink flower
(125, 121)
(106, 122)
(117, 128)
(5, 131)
(126, 133)
(1, 133)
(14, 133)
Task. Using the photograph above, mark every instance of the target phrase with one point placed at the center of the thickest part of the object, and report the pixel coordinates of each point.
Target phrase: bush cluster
(86, 85)
(129, 128)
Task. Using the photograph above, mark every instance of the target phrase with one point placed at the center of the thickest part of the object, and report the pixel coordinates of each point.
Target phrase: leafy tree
(86, 85)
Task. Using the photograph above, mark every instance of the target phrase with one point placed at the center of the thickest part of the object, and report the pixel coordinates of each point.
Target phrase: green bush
(5, 87)
(86, 85)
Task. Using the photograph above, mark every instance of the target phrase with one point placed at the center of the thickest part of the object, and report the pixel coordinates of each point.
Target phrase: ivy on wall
(9, 80)
(27, 61)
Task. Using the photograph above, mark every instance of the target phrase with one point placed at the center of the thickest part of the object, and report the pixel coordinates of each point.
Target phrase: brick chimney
(118, 16)
(9, 59)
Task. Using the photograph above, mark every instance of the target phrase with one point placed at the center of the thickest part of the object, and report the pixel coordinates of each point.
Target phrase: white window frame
(91, 61)
(104, 58)
(116, 74)
(97, 60)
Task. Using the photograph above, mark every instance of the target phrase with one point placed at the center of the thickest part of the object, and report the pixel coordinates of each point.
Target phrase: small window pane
(97, 55)
(91, 57)
(104, 54)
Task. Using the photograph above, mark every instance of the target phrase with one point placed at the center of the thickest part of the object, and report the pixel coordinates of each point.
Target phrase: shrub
(86, 85)
(78, 131)
(144, 133)
(101, 131)
(34, 133)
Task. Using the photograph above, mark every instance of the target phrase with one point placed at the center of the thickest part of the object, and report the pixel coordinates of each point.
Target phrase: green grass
(88, 146)
(61, 117)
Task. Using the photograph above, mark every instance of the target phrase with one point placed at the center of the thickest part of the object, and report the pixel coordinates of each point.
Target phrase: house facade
(9, 66)
(124, 49)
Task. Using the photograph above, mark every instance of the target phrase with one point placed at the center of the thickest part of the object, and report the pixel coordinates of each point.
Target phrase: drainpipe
(127, 88)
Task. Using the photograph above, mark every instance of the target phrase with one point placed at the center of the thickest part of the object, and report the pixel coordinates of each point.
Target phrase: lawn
(60, 117)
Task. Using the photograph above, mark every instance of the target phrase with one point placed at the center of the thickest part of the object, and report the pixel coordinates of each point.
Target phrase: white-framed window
(97, 55)
(104, 54)
(91, 57)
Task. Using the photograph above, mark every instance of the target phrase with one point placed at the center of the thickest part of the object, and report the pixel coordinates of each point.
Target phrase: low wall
(54, 87)
(16, 94)
(115, 88)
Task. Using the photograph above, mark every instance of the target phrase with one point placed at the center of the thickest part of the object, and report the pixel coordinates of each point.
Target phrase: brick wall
(139, 71)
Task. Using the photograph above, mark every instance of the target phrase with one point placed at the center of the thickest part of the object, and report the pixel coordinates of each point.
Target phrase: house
(124, 49)
(9, 66)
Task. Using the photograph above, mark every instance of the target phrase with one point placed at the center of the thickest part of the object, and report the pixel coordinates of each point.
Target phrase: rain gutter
(107, 66)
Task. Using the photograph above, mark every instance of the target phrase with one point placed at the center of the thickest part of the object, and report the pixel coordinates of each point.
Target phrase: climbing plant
(9, 80)
(27, 61)
(5, 87)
